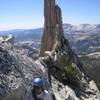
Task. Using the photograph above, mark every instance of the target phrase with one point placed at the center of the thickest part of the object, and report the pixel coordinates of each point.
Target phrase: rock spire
(52, 26)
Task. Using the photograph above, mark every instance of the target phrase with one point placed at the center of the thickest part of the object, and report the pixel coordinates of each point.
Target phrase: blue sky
(24, 14)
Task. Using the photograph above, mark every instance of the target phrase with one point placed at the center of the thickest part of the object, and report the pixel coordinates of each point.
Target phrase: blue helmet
(37, 82)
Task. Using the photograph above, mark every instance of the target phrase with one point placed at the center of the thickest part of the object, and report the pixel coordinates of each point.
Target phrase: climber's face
(37, 89)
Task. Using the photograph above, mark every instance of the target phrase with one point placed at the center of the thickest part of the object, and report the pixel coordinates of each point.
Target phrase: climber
(38, 92)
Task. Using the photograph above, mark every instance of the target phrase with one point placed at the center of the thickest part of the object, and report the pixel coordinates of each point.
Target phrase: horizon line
(11, 29)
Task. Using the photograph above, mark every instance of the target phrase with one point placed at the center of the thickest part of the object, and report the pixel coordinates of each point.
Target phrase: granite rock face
(17, 71)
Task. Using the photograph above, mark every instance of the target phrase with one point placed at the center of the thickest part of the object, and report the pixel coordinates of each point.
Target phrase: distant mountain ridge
(24, 34)
(84, 38)
(82, 28)
(68, 29)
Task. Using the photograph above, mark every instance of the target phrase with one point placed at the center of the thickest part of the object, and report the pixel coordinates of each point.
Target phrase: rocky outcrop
(7, 39)
(53, 39)
(63, 64)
